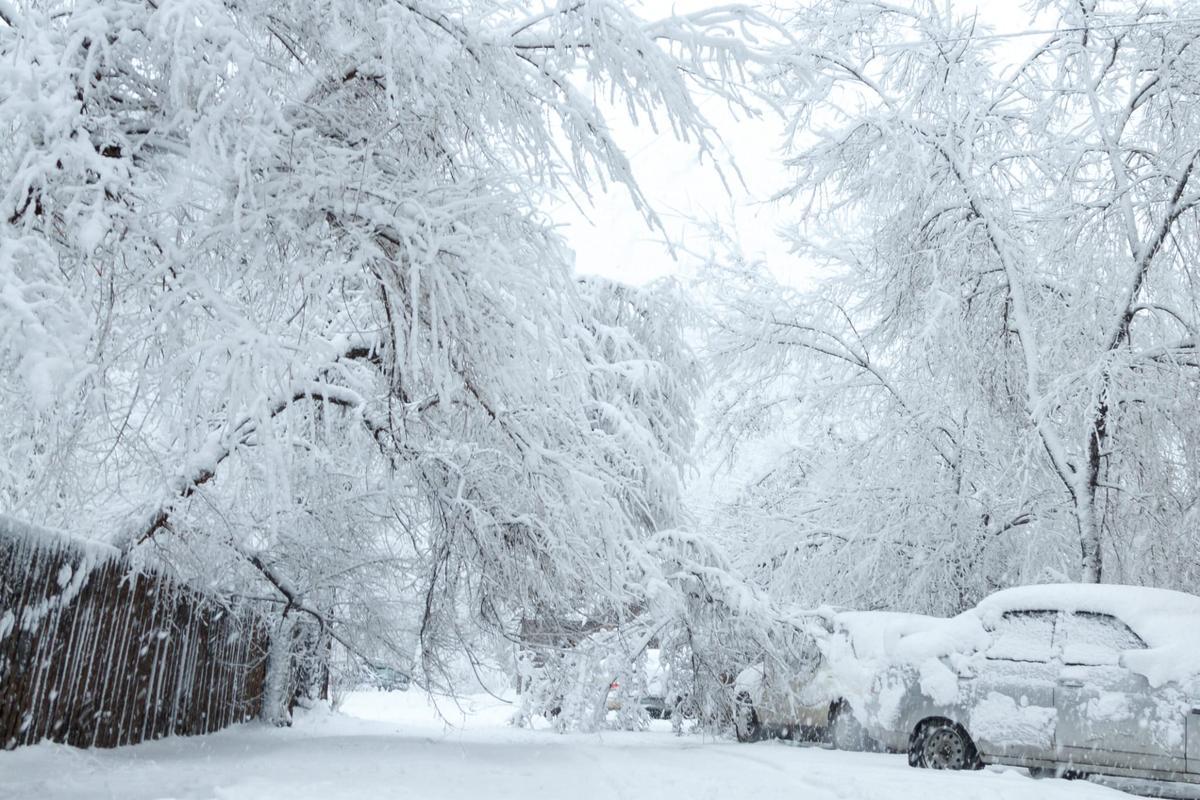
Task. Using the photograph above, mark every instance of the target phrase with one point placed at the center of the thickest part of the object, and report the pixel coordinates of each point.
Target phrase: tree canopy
(995, 380)
(281, 305)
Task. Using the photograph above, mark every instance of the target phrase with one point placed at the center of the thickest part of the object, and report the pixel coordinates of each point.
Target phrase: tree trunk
(1090, 527)
(1089, 538)
(277, 704)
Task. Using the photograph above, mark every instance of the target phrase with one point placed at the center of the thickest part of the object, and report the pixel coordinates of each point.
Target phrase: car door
(1193, 738)
(1108, 714)
(1012, 715)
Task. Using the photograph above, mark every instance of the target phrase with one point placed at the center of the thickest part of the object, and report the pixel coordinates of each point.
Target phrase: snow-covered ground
(394, 745)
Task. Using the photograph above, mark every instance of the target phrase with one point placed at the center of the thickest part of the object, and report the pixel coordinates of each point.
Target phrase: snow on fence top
(70, 578)
(50, 538)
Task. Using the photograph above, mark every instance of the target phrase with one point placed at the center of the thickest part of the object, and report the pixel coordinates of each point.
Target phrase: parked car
(796, 705)
(1062, 679)
(777, 698)
(389, 679)
(811, 701)
(657, 701)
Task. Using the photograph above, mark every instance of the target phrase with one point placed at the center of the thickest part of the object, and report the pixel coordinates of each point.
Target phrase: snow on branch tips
(987, 384)
(284, 306)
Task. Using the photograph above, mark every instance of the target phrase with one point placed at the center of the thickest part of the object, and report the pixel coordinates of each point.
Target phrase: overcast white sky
(614, 241)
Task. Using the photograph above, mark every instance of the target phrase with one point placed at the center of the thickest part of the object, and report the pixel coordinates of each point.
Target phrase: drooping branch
(296, 600)
(8, 14)
(223, 442)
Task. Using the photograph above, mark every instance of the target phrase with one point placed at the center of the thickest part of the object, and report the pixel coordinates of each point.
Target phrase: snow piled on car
(863, 641)
(1165, 620)
(879, 654)
(1000, 719)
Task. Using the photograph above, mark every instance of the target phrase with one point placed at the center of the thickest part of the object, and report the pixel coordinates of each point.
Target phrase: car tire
(745, 719)
(1057, 772)
(941, 744)
(845, 731)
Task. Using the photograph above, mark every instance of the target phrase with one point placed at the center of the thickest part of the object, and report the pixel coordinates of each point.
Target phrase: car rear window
(1094, 639)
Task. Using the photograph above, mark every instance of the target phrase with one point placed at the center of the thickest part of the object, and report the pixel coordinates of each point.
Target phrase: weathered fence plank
(96, 653)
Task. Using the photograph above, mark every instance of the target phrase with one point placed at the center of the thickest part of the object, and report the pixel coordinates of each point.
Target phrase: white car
(654, 699)
(790, 706)
(817, 698)
(1063, 679)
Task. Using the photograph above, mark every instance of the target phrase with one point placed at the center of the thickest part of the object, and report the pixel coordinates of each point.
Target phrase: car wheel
(745, 720)
(1057, 772)
(846, 732)
(940, 744)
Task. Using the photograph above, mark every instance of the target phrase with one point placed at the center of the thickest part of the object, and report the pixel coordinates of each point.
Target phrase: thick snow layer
(656, 673)
(875, 633)
(14, 528)
(750, 679)
(1165, 621)
(861, 643)
(1159, 616)
(397, 747)
(70, 580)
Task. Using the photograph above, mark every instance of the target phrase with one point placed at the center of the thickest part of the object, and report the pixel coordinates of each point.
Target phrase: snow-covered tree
(277, 300)
(996, 381)
(703, 619)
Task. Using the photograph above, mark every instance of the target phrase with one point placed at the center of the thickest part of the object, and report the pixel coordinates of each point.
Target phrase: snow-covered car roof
(1158, 616)
(1165, 620)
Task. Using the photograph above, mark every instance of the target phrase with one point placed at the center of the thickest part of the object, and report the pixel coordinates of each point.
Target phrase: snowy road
(396, 747)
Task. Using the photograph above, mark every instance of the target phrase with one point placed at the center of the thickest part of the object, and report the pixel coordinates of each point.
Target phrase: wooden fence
(96, 654)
